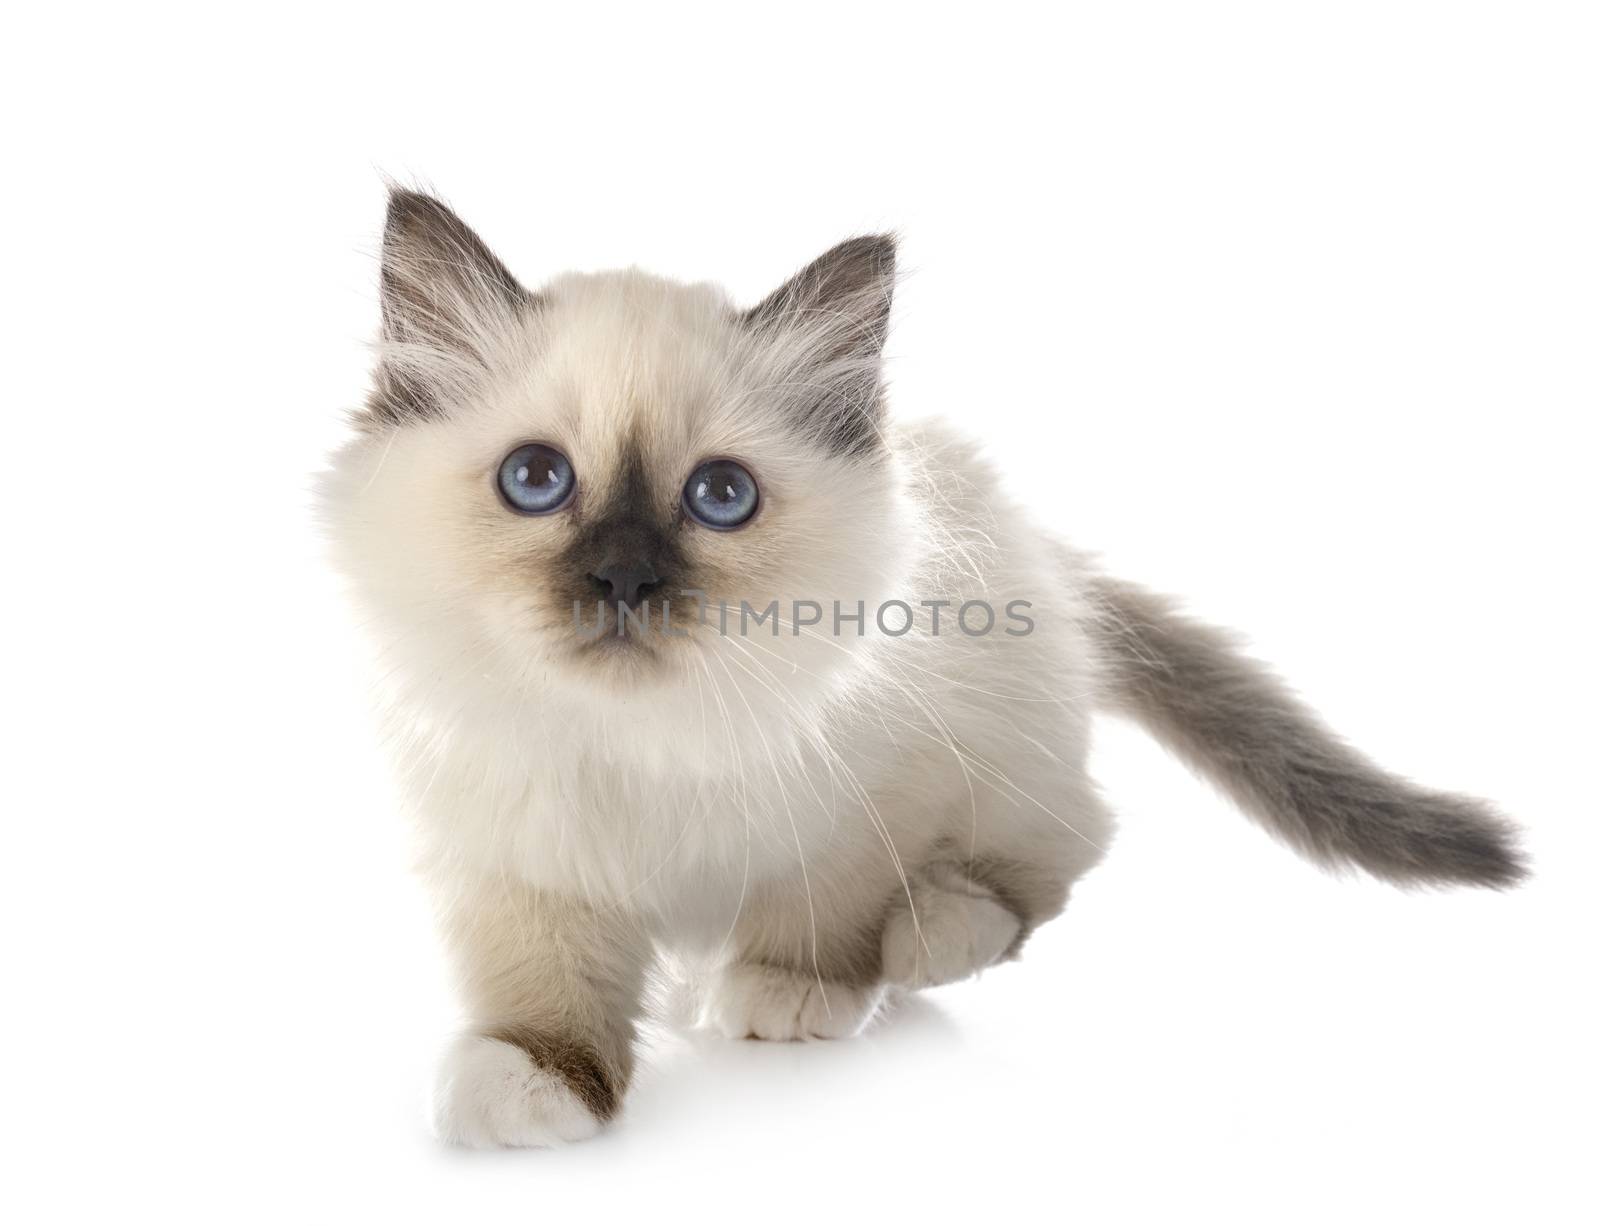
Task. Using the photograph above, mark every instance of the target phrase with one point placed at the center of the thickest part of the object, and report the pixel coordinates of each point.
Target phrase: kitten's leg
(807, 965)
(980, 891)
(959, 927)
(780, 987)
(816, 957)
(953, 927)
(553, 990)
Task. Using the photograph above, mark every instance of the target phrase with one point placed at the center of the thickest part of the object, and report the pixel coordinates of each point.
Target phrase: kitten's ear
(830, 320)
(445, 299)
(853, 281)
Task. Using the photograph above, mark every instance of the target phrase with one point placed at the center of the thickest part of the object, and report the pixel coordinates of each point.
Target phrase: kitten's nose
(628, 583)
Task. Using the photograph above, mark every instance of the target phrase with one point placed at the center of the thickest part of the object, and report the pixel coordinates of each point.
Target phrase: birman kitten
(687, 648)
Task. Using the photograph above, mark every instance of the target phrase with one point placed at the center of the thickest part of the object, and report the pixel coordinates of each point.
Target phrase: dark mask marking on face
(626, 550)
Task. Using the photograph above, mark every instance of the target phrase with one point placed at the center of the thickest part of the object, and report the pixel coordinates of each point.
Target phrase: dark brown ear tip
(876, 250)
(887, 241)
(888, 253)
(408, 207)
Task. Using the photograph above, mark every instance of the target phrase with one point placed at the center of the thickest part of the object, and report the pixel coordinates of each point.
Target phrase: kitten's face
(532, 461)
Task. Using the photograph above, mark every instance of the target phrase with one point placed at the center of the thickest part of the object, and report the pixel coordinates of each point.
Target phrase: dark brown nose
(628, 583)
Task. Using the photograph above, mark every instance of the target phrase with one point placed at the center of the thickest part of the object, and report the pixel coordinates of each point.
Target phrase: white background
(1288, 308)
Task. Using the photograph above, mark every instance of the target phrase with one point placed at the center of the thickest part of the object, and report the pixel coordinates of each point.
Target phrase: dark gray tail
(1237, 725)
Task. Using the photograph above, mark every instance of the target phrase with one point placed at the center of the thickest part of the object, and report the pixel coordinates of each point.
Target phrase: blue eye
(535, 479)
(721, 494)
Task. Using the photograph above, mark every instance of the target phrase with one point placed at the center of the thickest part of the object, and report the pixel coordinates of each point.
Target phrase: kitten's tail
(1236, 724)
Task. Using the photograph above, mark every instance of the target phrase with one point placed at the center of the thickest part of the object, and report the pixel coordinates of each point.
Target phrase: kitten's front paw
(764, 1002)
(490, 1094)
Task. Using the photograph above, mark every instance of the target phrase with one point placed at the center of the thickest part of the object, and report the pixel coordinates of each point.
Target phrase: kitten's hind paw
(491, 1094)
(765, 1002)
(958, 930)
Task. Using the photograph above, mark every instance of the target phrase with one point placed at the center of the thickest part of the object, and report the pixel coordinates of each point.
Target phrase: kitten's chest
(676, 843)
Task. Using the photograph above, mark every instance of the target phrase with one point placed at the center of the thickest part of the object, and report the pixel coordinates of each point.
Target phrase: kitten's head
(534, 467)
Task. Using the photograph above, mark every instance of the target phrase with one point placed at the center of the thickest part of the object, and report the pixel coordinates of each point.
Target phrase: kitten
(640, 566)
